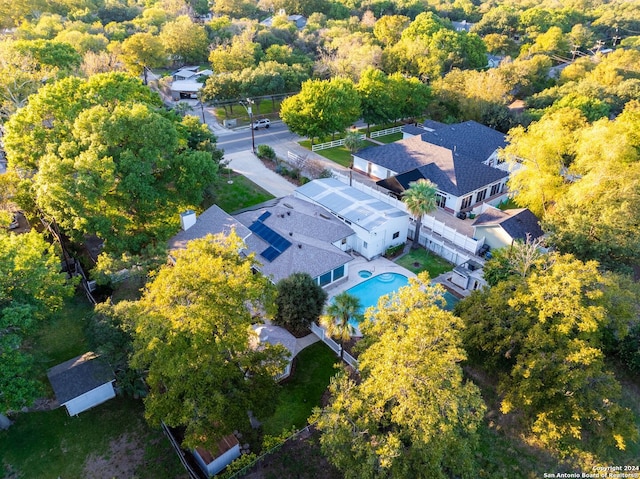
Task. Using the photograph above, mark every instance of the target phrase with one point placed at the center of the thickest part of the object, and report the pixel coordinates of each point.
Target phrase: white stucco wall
(495, 236)
(372, 169)
(90, 399)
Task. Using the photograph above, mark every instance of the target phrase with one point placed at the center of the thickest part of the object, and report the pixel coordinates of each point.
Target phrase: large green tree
(31, 289)
(192, 334)
(322, 107)
(412, 414)
(420, 199)
(111, 163)
(300, 301)
(546, 332)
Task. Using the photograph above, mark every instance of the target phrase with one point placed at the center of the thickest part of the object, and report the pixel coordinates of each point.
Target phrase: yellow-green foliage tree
(192, 334)
(413, 414)
(545, 331)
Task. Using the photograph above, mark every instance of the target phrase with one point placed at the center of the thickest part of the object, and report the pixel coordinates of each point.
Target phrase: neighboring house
(502, 228)
(82, 383)
(494, 61)
(462, 26)
(187, 82)
(287, 235)
(300, 21)
(269, 333)
(377, 225)
(228, 450)
(460, 159)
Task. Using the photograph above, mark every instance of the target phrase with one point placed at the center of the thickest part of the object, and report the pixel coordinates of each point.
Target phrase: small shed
(82, 383)
(228, 450)
(501, 228)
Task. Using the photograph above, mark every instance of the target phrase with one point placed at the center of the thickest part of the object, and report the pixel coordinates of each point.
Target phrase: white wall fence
(438, 229)
(335, 347)
(388, 131)
(332, 144)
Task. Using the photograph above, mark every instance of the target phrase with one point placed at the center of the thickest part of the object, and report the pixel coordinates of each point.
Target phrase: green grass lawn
(301, 393)
(390, 138)
(51, 444)
(426, 261)
(508, 205)
(242, 193)
(339, 154)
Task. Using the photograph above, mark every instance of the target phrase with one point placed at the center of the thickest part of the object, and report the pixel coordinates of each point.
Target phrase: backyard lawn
(419, 260)
(301, 393)
(111, 440)
(242, 193)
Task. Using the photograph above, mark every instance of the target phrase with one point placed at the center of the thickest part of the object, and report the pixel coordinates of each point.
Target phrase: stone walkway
(308, 340)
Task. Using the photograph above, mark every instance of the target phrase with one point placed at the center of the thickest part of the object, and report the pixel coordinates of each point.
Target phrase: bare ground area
(124, 456)
(298, 458)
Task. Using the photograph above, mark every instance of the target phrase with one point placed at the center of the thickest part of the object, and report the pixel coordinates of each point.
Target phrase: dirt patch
(124, 456)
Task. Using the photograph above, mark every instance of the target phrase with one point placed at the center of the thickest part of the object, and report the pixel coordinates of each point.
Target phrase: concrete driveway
(248, 165)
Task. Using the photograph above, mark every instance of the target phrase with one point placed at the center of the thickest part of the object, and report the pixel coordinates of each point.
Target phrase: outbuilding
(82, 383)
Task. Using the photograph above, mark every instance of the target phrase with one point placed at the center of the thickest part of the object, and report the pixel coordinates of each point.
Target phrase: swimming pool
(369, 291)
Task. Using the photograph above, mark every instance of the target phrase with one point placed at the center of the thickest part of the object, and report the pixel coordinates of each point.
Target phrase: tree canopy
(299, 302)
(322, 107)
(412, 414)
(546, 332)
(192, 334)
(31, 289)
(112, 164)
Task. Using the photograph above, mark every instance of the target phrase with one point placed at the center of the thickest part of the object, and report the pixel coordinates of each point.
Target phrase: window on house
(495, 189)
(325, 279)
(338, 273)
(396, 234)
(466, 202)
(481, 196)
(365, 245)
(441, 200)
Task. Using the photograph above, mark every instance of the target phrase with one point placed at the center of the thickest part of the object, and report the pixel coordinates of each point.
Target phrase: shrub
(393, 251)
(265, 152)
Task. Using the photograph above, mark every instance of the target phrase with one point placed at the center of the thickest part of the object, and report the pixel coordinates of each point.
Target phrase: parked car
(263, 123)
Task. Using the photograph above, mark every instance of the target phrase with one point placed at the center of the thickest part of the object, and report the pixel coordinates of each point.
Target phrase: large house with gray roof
(287, 235)
(460, 159)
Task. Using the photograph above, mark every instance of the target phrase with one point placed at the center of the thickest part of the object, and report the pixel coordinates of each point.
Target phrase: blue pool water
(369, 291)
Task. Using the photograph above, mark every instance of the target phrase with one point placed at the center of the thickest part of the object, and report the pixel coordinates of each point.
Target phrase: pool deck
(375, 266)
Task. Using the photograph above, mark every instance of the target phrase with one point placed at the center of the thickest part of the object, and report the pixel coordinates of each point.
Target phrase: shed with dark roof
(502, 228)
(82, 383)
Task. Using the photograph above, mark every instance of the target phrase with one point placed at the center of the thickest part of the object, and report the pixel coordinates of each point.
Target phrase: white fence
(388, 131)
(434, 231)
(332, 144)
(335, 347)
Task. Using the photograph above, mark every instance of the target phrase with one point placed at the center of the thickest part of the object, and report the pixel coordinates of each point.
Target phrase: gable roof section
(78, 376)
(350, 203)
(212, 221)
(516, 222)
(457, 176)
(470, 139)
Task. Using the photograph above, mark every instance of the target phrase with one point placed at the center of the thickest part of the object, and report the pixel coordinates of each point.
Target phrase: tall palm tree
(336, 319)
(420, 199)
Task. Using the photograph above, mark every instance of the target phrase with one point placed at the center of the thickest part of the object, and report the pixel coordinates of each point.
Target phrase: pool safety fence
(335, 347)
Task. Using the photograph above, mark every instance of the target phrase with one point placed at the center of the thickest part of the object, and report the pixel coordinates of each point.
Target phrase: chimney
(187, 219)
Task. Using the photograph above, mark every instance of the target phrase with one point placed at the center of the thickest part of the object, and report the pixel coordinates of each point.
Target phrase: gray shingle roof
(78, 376)
(457, 176)
(518, 223)
(310, 230)
(212, 221)
(470, 139)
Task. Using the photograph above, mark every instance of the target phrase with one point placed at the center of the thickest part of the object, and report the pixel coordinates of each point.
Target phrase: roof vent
(290, 233)
(287, 205)
(299, 246)
(322, 215)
